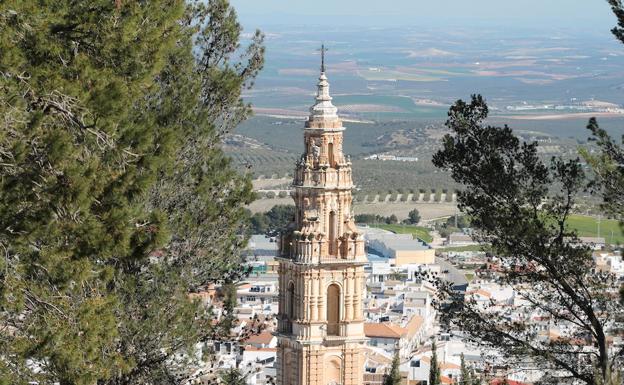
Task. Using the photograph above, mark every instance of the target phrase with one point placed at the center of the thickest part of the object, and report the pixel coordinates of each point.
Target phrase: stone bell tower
(321, 273)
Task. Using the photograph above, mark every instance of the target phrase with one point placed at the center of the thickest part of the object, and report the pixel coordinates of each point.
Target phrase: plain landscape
(394, 87)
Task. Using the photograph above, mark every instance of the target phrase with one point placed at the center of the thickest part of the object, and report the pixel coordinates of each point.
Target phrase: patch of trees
(272, 221)
(375, 219)
(393, 377)
(467, 375)
(452, 224)
(413, 217)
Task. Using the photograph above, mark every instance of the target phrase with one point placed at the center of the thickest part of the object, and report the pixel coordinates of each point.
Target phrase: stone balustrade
(309, 249)
(326, 178)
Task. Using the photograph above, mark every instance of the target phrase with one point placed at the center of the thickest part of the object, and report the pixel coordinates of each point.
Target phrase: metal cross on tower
(323, 50)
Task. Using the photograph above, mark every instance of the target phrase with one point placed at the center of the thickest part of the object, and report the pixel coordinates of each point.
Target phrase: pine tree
(521, 204)
(434, 368)
(413, 217)
(465, 377)
(609, 181)
(613, 378)
(394, 377)
(115, 196)
(233, 376)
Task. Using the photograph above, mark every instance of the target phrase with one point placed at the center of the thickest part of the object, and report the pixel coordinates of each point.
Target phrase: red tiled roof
(414, 325)
(442, 365)
(251, 348)
(500, 381)
(446, 380)
(264, 338)
(384, 330)
(481, 292)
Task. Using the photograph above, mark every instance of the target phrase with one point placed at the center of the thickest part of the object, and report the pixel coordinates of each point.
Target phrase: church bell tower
(321, 262)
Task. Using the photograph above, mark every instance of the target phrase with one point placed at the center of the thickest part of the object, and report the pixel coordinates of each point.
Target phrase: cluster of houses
(399, 309)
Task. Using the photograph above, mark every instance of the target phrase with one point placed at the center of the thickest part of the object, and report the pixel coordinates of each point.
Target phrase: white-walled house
(391, 337)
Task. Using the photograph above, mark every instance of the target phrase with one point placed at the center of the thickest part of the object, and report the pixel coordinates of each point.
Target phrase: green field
(464, 248)
(416, 231)
(285, 137)
(588, 227)
(407, 108)
(373, 176)
(387, 75)
(287, 134)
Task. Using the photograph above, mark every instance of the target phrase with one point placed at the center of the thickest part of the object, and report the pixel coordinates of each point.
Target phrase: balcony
(284, 326)
(315, 250)
(333, 330)
(324, 178)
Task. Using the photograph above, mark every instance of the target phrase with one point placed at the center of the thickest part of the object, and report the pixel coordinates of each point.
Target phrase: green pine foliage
(113, 184)
(274, 220)
(414, 217)
(434, 367)
(233, 376)
(394, 377)
(522, 205)
(465, 376)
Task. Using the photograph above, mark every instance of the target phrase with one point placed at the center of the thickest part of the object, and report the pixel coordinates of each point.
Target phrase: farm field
(388, 107)
(588, 227)
(441, 65)
(464, 248)
(360, 138)
(585, 225)
(372, 176)
(421, 233)
(264, 205)
(271, 184)
(279, 144)
(428, 211)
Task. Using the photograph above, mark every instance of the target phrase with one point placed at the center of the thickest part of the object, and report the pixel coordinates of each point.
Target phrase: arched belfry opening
(330, 155)
(290, 305)
(333, 310)
(333, 229)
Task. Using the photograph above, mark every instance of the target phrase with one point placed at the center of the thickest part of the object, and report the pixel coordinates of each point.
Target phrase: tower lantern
(321, 261)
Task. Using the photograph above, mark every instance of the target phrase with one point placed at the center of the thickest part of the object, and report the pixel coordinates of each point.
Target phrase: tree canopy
(115, 197)
(394, 376)
(434, 367)
(413, 217)
(521, 204)
(274, 220)
(233, 376)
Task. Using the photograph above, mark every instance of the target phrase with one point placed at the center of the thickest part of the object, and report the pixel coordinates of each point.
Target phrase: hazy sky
(585, 14)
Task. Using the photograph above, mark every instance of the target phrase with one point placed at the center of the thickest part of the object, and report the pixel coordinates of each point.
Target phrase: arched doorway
(333, 310)
(333, 370)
